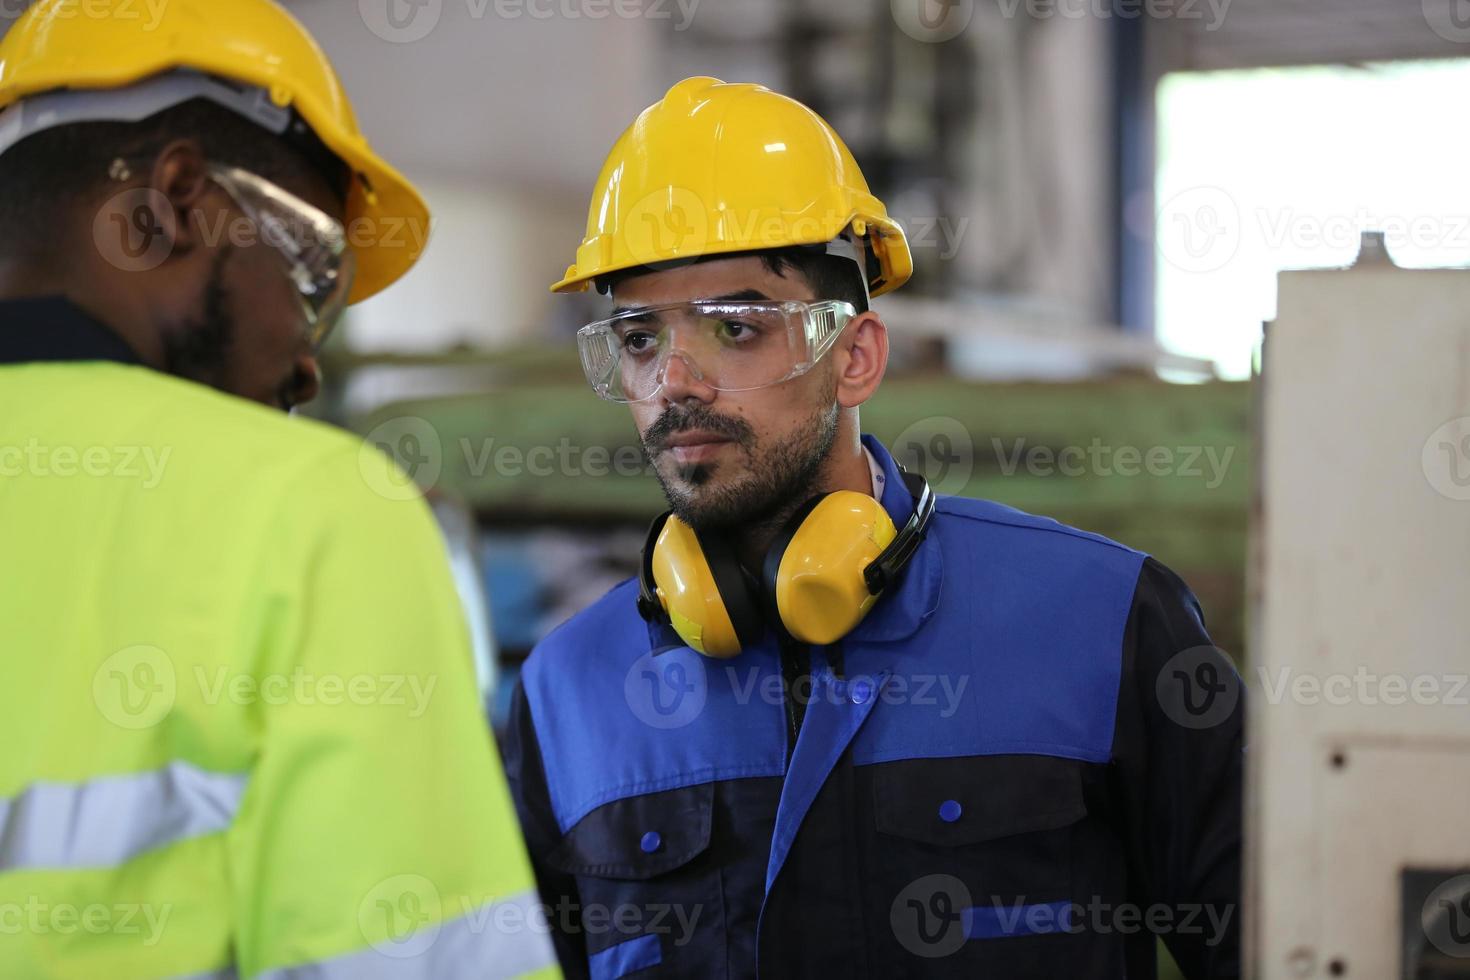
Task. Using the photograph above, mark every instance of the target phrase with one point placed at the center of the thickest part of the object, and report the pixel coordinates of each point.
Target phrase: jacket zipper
(795, 664)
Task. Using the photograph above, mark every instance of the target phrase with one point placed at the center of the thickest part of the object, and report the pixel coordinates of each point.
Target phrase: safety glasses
(312, 244)
(727, 346)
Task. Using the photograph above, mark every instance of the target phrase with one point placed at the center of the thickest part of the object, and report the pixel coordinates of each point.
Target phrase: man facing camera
(724, 767)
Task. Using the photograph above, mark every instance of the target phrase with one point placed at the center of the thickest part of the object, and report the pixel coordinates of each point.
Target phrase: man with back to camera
(240, 722)
(724, 767)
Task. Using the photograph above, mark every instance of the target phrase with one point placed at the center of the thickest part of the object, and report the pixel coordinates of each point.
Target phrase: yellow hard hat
(717, 168)
(71, 46)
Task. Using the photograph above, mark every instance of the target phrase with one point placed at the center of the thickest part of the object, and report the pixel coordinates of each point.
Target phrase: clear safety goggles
(727, 346)
(312, 244)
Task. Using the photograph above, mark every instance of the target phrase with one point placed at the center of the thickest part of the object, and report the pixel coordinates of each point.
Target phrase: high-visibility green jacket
(240, 728)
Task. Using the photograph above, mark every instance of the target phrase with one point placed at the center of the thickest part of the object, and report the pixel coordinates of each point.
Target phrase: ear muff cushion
(816, 580)
(734, 590)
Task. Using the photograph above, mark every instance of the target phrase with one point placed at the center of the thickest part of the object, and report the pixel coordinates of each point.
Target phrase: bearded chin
(779, 479)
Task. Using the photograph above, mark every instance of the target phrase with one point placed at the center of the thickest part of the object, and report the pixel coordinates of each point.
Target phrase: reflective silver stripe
(106, 821)
(486, 944)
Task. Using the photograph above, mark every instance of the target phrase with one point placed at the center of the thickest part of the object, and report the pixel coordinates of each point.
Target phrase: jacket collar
(914, 598)
(53, 329)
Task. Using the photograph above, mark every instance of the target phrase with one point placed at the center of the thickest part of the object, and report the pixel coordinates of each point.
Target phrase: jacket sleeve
(376, 836)
(558, 890)
(1177, 767)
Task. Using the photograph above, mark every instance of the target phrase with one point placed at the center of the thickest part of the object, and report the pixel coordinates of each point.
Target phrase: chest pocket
(1002, 825)
(650, 899)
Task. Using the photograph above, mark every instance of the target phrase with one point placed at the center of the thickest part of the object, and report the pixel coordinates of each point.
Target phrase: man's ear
(861, 358)
(180, 180)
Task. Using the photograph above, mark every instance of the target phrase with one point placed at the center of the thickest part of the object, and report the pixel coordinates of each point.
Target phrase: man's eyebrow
(742, 296)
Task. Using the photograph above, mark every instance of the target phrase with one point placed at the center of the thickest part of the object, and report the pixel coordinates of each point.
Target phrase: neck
(846, 468)
(23, 278)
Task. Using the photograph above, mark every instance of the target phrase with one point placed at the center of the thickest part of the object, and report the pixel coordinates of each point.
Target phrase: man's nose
(682, 380)
(306, 379)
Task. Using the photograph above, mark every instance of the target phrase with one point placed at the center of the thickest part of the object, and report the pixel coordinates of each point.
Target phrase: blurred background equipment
(1361, 729)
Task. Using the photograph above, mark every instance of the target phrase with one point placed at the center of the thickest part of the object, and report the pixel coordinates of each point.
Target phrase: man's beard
(781, 477)
(199, 350)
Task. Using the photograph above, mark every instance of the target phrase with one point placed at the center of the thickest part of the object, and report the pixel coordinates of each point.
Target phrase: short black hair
(829, 276)
(57, 166)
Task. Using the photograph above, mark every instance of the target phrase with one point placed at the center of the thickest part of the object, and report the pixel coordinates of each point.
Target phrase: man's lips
(694, 446)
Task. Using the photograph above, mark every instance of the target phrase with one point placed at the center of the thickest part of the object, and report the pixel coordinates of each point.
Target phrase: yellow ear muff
(817, 582)
(689, 594)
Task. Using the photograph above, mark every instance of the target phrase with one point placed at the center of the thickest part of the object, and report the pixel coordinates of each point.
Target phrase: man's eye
(737, 331)
(639, 341)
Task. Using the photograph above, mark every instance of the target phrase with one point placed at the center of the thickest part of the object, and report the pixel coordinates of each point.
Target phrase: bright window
(1272, 169)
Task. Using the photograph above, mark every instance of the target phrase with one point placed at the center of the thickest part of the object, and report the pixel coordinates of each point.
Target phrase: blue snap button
(839, 687)
(651, 842)
(949, 811)
(861, 691)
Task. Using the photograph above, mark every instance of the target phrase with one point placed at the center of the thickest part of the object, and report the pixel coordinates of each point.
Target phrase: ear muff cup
(813, 581)
(700, 587)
